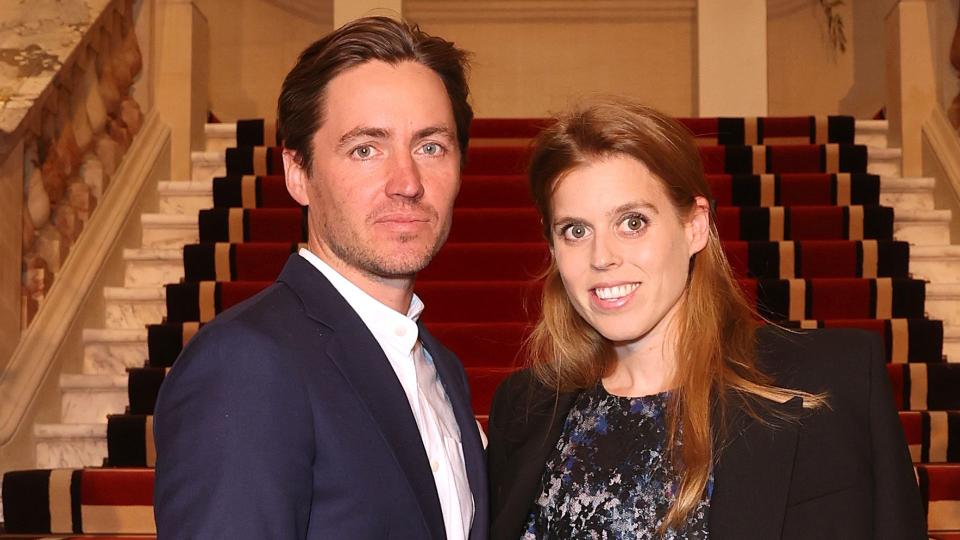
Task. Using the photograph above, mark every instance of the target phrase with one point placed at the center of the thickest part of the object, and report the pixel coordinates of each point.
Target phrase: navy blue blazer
(842, 471)
(282, 418)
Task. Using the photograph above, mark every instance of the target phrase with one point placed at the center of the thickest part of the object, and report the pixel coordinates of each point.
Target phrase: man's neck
(393, 292)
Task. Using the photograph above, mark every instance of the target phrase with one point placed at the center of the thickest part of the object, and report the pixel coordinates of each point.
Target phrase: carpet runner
(800, 221)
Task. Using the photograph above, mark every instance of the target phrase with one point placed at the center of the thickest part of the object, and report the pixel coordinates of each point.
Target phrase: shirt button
(400, 331)
(435, 465)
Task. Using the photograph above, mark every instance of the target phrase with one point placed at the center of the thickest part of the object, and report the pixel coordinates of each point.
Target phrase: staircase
(815, 245)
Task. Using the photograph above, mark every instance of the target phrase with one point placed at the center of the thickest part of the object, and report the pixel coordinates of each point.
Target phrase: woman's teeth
(613, 293)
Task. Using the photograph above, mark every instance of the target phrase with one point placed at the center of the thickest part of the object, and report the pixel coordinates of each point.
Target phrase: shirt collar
(389, 327)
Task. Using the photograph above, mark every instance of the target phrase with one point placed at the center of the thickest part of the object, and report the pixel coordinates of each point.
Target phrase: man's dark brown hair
(301, 104)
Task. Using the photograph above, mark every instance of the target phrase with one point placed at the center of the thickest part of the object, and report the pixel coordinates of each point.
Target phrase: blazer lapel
(547, 415)
(752, 477)
(363, 364)
(473, 454)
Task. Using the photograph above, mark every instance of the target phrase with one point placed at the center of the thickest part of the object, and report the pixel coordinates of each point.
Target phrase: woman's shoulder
(821, 360)
(522, 402)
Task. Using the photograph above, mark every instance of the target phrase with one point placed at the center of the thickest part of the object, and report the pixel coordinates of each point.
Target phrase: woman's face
(622, 249)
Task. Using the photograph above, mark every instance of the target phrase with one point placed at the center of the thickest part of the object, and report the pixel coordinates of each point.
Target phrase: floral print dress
(609, 477)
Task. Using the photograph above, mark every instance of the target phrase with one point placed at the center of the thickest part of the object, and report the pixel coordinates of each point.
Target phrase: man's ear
(698, 225)
(296, 177)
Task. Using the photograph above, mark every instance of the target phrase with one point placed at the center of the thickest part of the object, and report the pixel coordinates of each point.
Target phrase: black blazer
(283, 419)
(838, 472)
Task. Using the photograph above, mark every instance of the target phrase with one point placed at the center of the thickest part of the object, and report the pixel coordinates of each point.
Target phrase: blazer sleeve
(234, 438)
(898, 510)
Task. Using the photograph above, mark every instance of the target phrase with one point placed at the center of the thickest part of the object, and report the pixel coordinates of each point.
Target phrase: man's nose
(404, 178)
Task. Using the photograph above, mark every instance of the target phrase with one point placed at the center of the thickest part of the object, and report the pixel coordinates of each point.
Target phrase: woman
(654, 406)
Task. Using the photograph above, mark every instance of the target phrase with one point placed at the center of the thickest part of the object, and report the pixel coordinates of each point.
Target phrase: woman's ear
(296, 177)
(698, 225)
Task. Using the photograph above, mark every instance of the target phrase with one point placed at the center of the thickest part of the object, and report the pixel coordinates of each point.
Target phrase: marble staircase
(80, 438)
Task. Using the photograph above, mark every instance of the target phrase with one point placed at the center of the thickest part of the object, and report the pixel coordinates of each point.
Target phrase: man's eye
(363, 151)
(431, 149)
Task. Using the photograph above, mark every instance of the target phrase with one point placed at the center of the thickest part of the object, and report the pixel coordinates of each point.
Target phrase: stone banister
(66, 119)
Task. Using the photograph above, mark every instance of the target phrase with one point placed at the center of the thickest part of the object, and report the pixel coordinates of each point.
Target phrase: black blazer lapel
(358, 356)
(547, 413)
(752, 477)
(473, 454)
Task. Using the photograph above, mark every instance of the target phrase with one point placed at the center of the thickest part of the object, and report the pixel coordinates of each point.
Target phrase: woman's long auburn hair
(715, 326)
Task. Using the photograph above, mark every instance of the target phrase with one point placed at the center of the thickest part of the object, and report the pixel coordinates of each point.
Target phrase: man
(320, 408)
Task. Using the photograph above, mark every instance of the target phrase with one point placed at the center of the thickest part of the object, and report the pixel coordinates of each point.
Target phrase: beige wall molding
(41, 342)
(547, 10)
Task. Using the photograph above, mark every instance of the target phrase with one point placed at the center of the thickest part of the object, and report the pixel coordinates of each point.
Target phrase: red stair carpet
(798, 213)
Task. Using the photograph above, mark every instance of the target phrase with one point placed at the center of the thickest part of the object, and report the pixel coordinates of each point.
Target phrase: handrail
(945, 145)
(74, 124)
(41, 342)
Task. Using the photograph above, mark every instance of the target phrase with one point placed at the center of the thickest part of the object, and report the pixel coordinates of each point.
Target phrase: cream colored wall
(805, 75)
(534, 67)
(531, 58)
(253, 43)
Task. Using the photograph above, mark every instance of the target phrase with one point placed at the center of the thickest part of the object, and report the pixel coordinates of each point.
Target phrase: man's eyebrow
(357, 132)
(433, 131)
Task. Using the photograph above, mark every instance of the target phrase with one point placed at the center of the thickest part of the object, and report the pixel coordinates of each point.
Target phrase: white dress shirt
(398, 336)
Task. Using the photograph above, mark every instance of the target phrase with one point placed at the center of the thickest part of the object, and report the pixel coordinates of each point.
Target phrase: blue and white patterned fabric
(609, 477)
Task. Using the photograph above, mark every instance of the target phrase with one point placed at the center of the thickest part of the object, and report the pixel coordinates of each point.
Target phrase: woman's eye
(574, 231)
(632, 223)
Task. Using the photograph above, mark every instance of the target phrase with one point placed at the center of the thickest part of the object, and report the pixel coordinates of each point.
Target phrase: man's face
(385, 173)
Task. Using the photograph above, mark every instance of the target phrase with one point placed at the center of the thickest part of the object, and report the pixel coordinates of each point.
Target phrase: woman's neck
(644, 366)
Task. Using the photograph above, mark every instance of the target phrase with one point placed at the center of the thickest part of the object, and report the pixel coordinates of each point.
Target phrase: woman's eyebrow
(634, 205)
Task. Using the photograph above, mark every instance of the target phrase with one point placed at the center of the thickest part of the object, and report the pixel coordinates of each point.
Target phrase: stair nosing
(83, 381)
(134, 293)
(88, 430)
(911, 215)
(152, 254)
(111, 335)
(170, 220)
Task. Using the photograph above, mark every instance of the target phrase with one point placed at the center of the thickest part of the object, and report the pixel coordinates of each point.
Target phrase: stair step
(951, 343)
(152, 267)
(938, 264)
(131, 488)
(169, 231)
(88, 399)
(867, 132)
(922, 227)
(185, 196)
(106, 501)
(134, 307)
(207, 165)
(884, 161)
(943, 302)
(915, 193)
(63, 446)
(911, 193)
(110, 351)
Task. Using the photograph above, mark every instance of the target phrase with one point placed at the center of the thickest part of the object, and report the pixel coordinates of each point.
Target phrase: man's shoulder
(269, 323)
